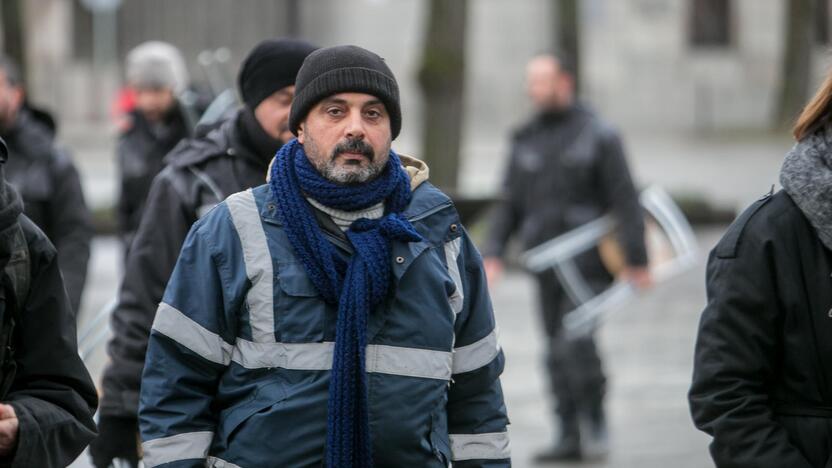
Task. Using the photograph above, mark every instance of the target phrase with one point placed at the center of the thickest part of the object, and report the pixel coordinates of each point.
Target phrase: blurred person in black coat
(47, 398)
(47, 180)
(567, 167)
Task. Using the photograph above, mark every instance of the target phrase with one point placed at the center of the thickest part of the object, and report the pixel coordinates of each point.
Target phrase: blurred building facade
(666, 65)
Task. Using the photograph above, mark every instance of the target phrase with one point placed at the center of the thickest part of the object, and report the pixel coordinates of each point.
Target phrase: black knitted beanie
(344, 69)
(271, 66)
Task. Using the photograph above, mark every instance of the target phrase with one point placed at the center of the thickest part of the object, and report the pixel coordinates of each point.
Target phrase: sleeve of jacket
(191, 345)
(72, 227)
(52, 394)
(125, 207)
(507, 214)
(149, 265)
(621, 197)
(736, 351)
(477, 416)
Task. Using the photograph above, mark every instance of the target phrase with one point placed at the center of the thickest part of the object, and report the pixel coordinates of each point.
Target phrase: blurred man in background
(200, 173)
(566, 169)
(46, 178)
(47, 398)
(156, 74)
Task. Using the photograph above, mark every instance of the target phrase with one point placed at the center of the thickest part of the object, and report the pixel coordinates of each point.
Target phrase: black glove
(118, 437)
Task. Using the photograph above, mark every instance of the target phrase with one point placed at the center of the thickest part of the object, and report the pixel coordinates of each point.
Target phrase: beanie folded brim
(344, 80)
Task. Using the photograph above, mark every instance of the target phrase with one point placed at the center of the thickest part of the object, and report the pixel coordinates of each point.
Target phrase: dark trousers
(576, 377)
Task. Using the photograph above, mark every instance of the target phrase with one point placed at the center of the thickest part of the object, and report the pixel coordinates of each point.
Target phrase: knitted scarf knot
(356, 285)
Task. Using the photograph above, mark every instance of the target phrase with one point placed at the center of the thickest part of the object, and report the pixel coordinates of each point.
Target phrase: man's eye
(334, 111)
(373, 114)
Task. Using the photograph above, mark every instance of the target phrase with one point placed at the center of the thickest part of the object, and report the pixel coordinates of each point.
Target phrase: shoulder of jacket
(61, 159)
(216, 221)
(39, 245)
(524, 129)
(426, 199)
(196, 150)
(759, 220)
(604, 129)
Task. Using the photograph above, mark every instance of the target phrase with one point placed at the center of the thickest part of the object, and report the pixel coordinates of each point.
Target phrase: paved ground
(648, 347)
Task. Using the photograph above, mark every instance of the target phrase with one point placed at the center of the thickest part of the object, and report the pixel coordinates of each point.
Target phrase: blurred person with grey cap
(47, 397)
(199, 173)
(156, 75)
(567, 167)
(46, 178)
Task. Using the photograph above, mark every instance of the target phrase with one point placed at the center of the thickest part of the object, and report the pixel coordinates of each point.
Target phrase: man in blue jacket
(337, 315)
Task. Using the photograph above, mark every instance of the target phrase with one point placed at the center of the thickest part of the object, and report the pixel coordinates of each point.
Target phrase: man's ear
(300, 133)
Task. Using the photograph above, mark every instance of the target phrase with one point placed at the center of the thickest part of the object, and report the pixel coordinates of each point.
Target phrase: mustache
(354, 146)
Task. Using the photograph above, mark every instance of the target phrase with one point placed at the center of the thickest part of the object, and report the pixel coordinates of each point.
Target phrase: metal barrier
(96, 332)
(559, 254)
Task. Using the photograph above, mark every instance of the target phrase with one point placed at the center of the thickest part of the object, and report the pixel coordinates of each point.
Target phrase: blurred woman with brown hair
(762, 379)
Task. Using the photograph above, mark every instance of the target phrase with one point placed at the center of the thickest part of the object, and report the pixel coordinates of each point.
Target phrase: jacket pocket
(439, 440)
(300, 309)
(263, 398)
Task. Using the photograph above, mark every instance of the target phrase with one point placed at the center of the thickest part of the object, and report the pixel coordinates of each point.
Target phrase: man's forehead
(543, 65)
(359, 99)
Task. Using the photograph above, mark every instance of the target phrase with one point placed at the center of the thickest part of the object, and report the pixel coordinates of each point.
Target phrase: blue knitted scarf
(356, 285)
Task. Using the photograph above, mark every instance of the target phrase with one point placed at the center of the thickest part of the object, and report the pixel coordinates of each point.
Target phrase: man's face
(347, 137)
(154, 102)
(11, 99)
(548, 86)
(273, 113)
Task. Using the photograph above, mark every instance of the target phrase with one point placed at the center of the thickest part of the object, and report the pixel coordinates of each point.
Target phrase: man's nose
(355, 126)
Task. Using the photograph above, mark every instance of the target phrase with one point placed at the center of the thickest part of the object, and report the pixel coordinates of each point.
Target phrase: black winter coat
(565, 170)
(141, 152)
(46, 178)
(201, 172)
(762, 380)
(52, 393)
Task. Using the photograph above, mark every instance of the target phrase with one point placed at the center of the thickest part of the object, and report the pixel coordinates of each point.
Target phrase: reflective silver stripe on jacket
(182, 329)
(294, 356)
(411, 362)
(477, 354)
(187, 446)
(214, 462)
(490, 446)
(395, 360)
(452, 250)
(258, 264)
